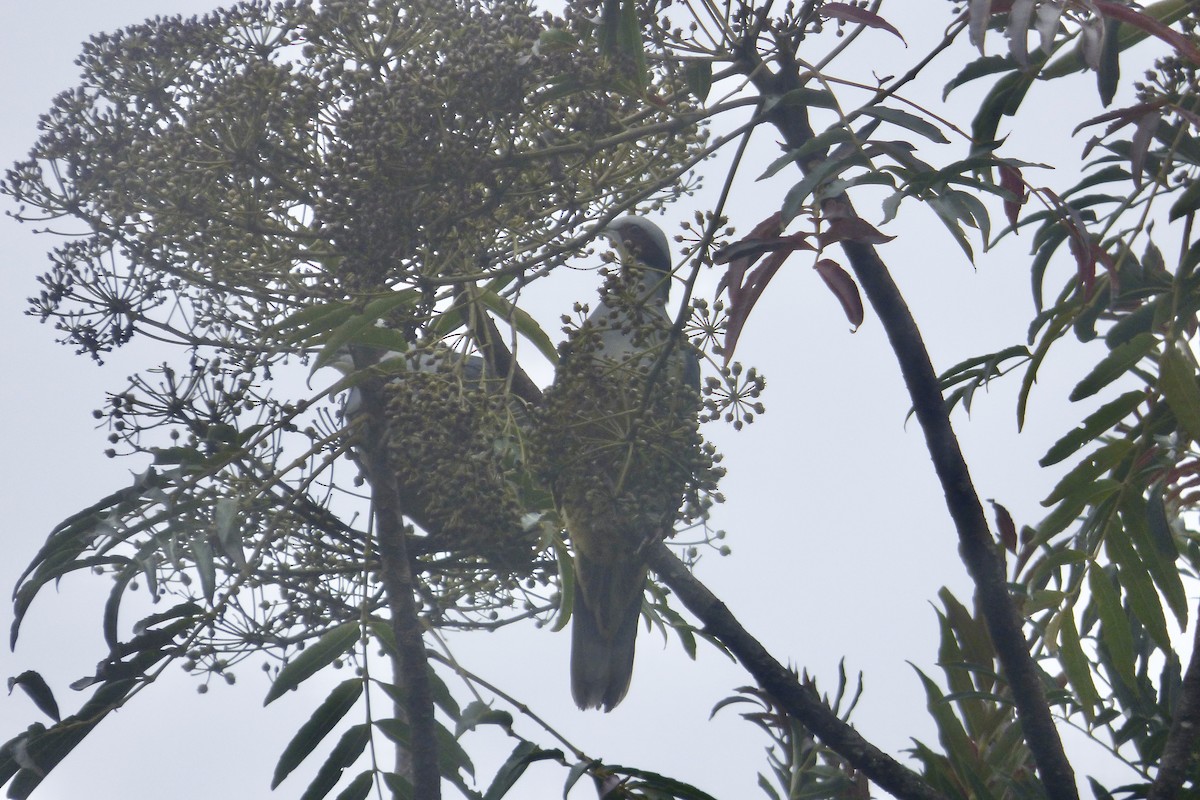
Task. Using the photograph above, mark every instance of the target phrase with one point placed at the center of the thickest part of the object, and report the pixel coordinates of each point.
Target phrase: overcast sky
(840, 538)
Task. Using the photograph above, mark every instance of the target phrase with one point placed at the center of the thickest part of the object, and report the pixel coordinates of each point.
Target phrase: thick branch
(412, 669)
(1180, 747)
(801, 702)
(976, 545)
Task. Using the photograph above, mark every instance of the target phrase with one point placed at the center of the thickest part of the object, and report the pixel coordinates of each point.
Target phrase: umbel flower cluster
(455, 448)
(220, 178)
(618, 439)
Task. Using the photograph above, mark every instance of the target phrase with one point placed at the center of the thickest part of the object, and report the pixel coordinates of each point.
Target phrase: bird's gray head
(640, 239)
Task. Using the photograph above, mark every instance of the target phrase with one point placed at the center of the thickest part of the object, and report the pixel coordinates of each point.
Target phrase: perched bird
(453, 438)
(619, 447)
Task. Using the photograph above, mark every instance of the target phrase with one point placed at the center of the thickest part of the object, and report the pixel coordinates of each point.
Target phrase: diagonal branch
(1180, 747)
(977, 547)
(801, 702)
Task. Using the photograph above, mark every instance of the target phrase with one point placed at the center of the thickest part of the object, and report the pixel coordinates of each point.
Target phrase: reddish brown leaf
(849, 13)
(753, 249)
(1012, 182)
(844, 289)
(1151, 26)
(1121, 116)
(1083, 249)
(851, 229)
(753, 288)
(769, 228)
(1006, 527)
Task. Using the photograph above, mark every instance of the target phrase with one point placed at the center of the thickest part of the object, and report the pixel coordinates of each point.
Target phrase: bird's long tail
(608, 602)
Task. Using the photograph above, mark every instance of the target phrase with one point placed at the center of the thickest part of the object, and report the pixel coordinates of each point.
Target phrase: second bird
(620, 446)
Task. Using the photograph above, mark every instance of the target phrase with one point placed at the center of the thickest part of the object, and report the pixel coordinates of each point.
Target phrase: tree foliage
(372, 184)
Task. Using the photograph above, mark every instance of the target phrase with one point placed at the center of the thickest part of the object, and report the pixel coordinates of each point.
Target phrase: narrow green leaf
(34, 685)
(661, 785)
(697, 73)
(958, 746)
(1187, 202)
(360, 787)
(342, 757)
(311, 321)
(1109, 74)
(793, 201)
(451, 756)
(1093, 426)
(521, 321)
(1165, 11)
(1114, 365)
(311, 733)
(1082, 479)
(1114, 626)
(566, 577)
(225, 517)
(988, 65)
(318, 655)
(949, 213)
(1004, 99)
(514, 767)
(205, 565)
(908, 121)
(1134, 577)
(1076, 664)
(1177, 380)
(1134, 515)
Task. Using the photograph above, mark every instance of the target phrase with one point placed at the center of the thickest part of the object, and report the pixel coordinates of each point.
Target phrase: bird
(620, 433)
(453, 439)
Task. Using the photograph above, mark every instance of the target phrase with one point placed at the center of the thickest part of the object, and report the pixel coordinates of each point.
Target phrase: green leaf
(697, 74)
(342, 757)
(1093, 426)
(451, 756)
(354, 329)
(521, 321)
(360, 787)
(661, 785)
(1134, 578)
(318, 655)
(1003, 100)
(566, 578)
(514, 766)
(958, 746)
(1177, 380)
(323, 720)
(1076, 664)
(1114, 626)
(1187, 202)
(1165, 11)
(1114, 365)
(1134, 515)
(793, 201)
(34, 685)
(1082, 479)
(908, 121)
(988, 65)
(1109, 74)
(205, 565)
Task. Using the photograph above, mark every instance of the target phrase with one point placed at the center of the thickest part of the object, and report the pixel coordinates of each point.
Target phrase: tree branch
(977, 547)
(411, 664)
(1180, 747)
(801, 702)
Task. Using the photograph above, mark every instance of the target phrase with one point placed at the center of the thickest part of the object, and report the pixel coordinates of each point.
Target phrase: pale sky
(840, 538)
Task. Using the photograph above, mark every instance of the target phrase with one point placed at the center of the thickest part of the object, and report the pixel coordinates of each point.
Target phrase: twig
(801, 702)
